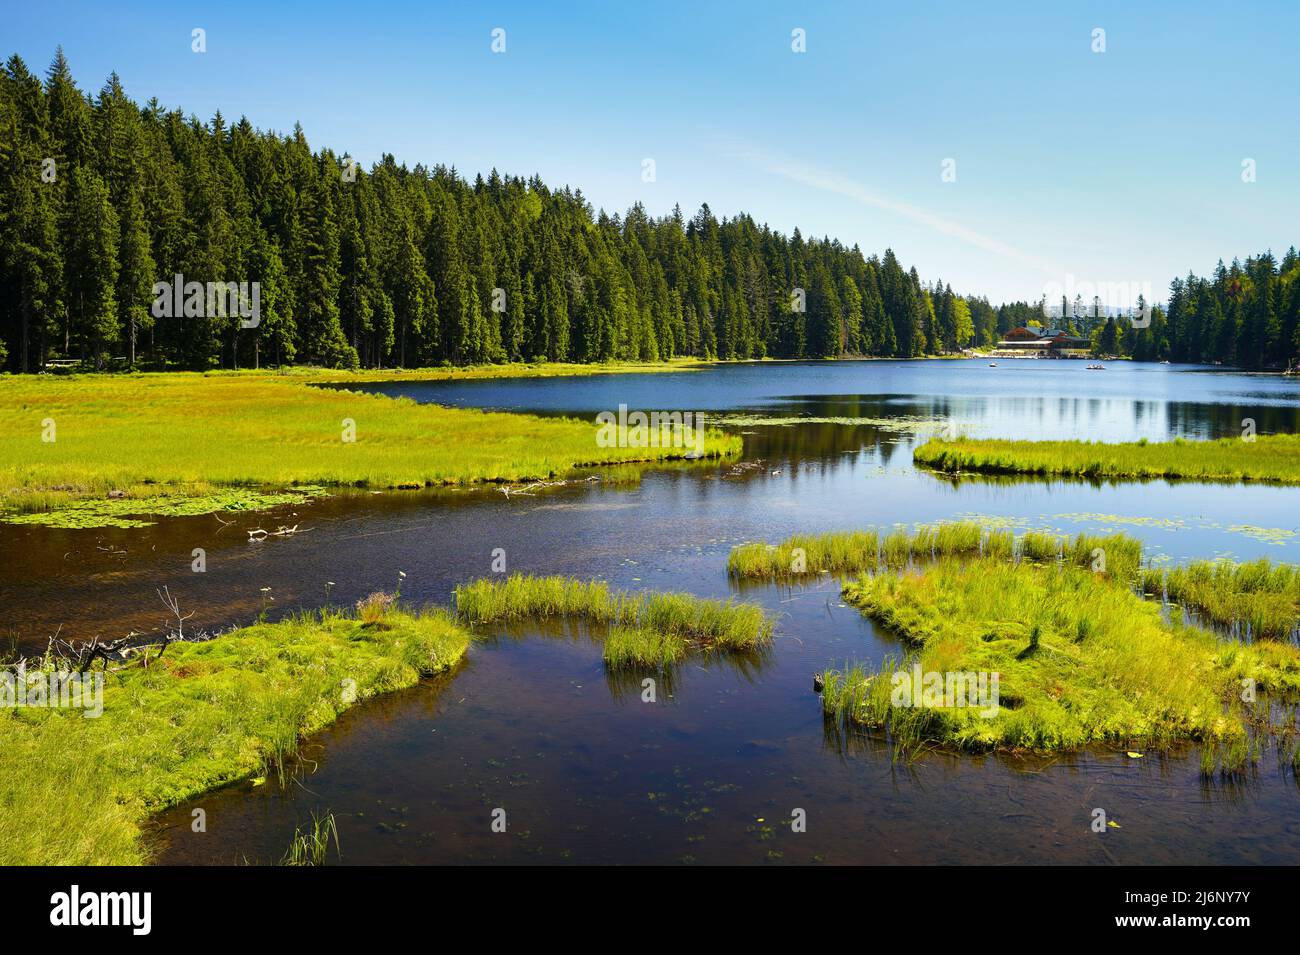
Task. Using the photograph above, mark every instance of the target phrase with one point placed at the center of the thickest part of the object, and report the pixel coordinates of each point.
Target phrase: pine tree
(91, 265)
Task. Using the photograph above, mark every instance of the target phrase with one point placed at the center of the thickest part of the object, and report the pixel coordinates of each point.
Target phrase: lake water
(585, 771)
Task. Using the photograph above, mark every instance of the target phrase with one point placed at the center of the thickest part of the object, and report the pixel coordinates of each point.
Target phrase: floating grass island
(1257, 599)
(1078, 654)
(118, 448)
(1079, 659)
(646, 629)
(1268, 458)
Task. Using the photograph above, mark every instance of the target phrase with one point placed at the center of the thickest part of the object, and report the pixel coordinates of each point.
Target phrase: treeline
(101, 198)
(1246, 314)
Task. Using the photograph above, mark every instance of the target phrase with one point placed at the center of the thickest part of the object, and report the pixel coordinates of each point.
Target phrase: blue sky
(1122, 166)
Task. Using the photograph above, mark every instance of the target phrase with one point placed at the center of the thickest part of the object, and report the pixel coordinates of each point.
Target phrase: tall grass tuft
(1258, 598)
(694, 621)
(311, 847)
(641, 647)
(1040, 546)
(806, 554)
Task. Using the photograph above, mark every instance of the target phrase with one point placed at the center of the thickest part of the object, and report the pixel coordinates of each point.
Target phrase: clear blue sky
(1116, 166)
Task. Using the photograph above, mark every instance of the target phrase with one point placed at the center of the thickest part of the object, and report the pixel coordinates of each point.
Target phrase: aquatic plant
(311, 847)
(1260, 598)
(699, 622)
(642, 647)
(848, 552)
(1274, 458)
(1080, 658)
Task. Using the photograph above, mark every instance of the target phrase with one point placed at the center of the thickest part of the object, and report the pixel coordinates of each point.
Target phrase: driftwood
(259, 535)
(81, 656)
(526, 490)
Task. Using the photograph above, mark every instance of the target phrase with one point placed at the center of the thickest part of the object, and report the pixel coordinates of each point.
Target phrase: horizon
(993, 230)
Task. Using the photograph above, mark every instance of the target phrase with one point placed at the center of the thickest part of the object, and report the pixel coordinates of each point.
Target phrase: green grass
(850, 552)
(1080, 658)
(158, 437)
(1273, 458)
(1260, 598)
(76, 790)
(311, 848)
(639, 647)
(510, 370)
(645, 627)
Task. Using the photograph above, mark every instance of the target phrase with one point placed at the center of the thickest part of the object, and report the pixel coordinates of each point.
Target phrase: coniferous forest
(101, 197)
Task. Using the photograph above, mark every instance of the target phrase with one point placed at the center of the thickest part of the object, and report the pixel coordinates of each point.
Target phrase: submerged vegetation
(116, 448)
(152, 501)
(1079, 658)
(645, 628)
(1271, 458)
(76, 790)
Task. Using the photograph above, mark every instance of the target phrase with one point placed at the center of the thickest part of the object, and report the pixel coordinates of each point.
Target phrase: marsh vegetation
(645, 628)
(1080, 659)
(77, 790)
(186, 443)
(1271, 458)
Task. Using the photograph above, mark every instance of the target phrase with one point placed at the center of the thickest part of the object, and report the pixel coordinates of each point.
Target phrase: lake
(711, 772)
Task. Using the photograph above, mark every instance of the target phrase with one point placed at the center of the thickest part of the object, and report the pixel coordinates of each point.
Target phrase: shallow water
(585, 771)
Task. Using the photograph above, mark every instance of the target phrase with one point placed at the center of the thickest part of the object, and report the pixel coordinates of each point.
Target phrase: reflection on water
(532, 723)
(1019, 398)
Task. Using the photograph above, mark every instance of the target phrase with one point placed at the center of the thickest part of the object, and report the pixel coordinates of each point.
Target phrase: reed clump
(1259, 598)
(691, 622)
(640, 647)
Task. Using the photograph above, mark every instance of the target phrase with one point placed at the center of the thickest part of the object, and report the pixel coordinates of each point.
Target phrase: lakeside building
(1035, 341)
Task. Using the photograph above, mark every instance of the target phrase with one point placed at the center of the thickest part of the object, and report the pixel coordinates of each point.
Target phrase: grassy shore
(209, 442)
(511, 370)
(645, 628)
(1080, 659)
(1270, 458)
(76, 790)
